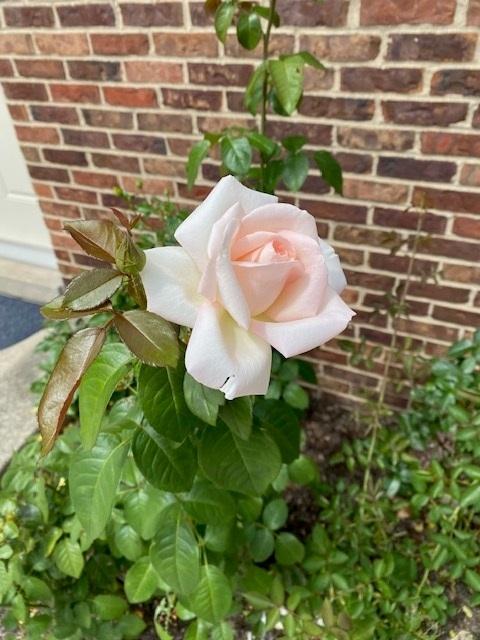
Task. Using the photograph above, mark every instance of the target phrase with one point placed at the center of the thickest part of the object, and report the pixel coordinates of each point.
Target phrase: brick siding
(104, 92)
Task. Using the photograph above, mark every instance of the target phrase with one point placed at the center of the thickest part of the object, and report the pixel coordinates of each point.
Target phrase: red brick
(76, 195)
(164, 122)
(368, 79)
(62, 115)
(31, 154)
(342, 48)
(461, 273)
(98, 180)
(150, 186)
(473, 16)
(318, 79)
(424, 114)
(451, 144)
(447, 200)
(18, 112)
(375, 191)
(143, 144)
(467, 227)
(192, 99)
(457, 316)
(50, 174)
(15, 43)
(214, 124)
(409, 219)
(331, 13)
(42, 190)
(79, 93)
(117, 163)
(392, 12)
(130, 97)
(29, 16)
(427, 329)
(63, 156)
(62, 44)
(337, 108)
(120, 44)
(188, 45)
(463, 81)
(198, 16)
(29, 68)
(412, 169)
(317, 134)
(94, 70)
(37, 134)
(335, 211)
(6, 69)
(375, 139)
(354, 162)
(28, 91)
(164, 167)
(108, 119)
(161, 14)
(83, 138)
(91, 15)
(219, 74)
(150, 71)
(449, 47)
(470, 175)
(352, 257)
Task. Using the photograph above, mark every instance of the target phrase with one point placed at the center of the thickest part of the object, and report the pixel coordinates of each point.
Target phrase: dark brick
(160, 14)
(164, 122)
(467, 227)
(76, 195)
(411, 169)
(82, 138)
(143, 144)
(63, 156)
(335, 211)
(317, 134)
(192, 99)
(51, 69)
(28, 91)
(49, 174)
(198, 16)
(89, 15)
(354, 162)
(463, 81)
(28, 17)
(219, 74)
(342, 48)
(341, 108)
(62, 115)
(375, 139)
(108, 119)
(94, 70)
(367, 80)
(6, 69)
(120, 44)
(447, 200)
(409, 219)
(425, 114)
(117, 163)
(331, 13)
(449, 47)
(457, 316)
(392, 12)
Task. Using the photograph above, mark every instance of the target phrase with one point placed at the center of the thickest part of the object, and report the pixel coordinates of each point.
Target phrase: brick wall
(104, 92)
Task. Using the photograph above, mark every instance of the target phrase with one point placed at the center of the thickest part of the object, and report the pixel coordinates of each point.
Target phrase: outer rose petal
(279, 217)
(194, 233)
(222, 355)
(299, 336)
(171, 279)
(336, 277)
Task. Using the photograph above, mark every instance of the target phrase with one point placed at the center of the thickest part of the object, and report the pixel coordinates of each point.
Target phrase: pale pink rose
(250, 273)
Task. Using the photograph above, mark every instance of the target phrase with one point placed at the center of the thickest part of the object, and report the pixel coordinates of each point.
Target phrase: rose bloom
(251, 273)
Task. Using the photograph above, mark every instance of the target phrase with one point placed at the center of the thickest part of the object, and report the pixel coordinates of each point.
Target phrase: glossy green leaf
(254, 89)
(151, 338)
(131, 626)
(109, 607)
(249, 30)
(282, 425)
(260, 543)
(161, 396)
(75, 358)
(223, 19)
(128, 542)
(266, 14)
(223, 631)
(295, 171)
(212, 598)
(471, 496)
(167, 465)
(99, 238)
(37, 590)
(97, 387)
(137, 290)
(246, 466)
(296, 396)
(93, 480)
(91, 289)
(330, 169)
(288, 549)
(287, 79)
(293, 144)
(68, 558)
(310, 59)
(238, 416)
(129, 258)
(143, 510)
(140, 581)
(174, 553)
(207, 504)
(275, 514)
(56, 310)
(197, 155)
(202, 401)
(236, 154)
(264, 144)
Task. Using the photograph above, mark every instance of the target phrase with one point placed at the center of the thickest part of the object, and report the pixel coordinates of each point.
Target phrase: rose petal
(170, 279)
(222, 355)
(299, 336)
(336, 277)
(279, 217)
(194, 233)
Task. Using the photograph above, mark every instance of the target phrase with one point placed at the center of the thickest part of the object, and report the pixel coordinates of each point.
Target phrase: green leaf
(249, 30)
(223, 19)
(296, 396)
(264, 144)
(151, 338)
(174, 553)
(68, 558)
(91, 289)
(295, 171)
(93, 479)
(99, 238)
(288, 549)
(97, 387)
(140, 581)
(266, 13)
(310, 59)
(56, 310)
(254, 89)
(275, 514)
(287, 79)
(137, 290)
(197, 155)
(109, 607)
(128, 542)
(143, 508)
(37, 590)
(75, 358)
(472, 579)
(246, 466)
(260, 543)
(128, 257)
(207, 504)
(471, 496)
(302, 470)
(202, 401)
(238, 416)
(294, 143)
(131, 626)
(160, 392)
(224, 631)
(236, 154)
(282, 425)
(212, 598)
(330, 169)
(165, 464)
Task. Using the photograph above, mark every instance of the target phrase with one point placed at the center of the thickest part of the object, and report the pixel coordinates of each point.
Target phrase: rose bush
(250, 273)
